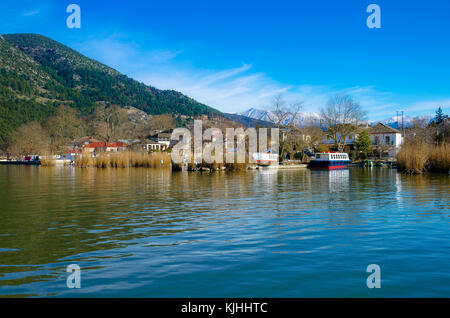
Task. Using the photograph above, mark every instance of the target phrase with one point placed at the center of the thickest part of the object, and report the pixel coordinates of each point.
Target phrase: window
(388, 139)
(377, 140)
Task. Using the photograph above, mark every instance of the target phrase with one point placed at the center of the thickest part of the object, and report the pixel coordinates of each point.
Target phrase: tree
(295, 141)
(161, 122)
(314, 136)
(111, 123)
(285, 117)
(440, 117)
(439, 126)
(363, 143)
(283, 114)
(29, 139)
(342, 117)
(158, 122)
(65, 126)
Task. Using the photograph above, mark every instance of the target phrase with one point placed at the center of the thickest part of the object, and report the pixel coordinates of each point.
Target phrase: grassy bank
(416, 158)
(124, 160)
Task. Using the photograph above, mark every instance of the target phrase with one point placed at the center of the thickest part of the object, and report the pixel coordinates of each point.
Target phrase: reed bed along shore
(124, 160)
(204, 166)
(416, 158)
(48, 162)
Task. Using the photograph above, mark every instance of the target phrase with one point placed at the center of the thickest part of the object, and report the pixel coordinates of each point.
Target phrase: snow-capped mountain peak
(302, 118)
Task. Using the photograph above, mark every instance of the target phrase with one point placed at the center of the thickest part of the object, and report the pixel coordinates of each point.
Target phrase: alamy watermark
(74, 19)
(74, 279)
(374, 20)
(374, 279)
(209, 146)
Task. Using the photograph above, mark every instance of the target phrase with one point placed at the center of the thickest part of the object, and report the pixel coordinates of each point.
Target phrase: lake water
(288, 233)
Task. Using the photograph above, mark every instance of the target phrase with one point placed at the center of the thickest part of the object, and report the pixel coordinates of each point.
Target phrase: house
(350, 139)
(80, 142)
(155, 146)
(386, 137)
(162, 138)
(105, 146)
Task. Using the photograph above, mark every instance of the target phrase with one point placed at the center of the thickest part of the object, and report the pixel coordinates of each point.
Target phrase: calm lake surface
(288, 233)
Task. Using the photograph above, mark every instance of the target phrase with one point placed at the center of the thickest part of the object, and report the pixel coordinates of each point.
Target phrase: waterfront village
(385, 141)
(416, 148)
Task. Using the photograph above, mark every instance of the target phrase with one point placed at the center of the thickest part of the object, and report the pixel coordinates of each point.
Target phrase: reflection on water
(338, 180)
(293, 233)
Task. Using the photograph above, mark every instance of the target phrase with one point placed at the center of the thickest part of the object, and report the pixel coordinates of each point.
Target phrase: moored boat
(330, 161)
(265, 159)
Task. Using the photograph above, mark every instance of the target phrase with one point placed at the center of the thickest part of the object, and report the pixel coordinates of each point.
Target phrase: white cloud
(30, 13)
(126, 56)
(238, 88)
(431, 105)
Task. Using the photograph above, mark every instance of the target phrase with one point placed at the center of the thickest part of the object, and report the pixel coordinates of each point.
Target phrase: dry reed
(124, 160)
(48, 162)
(416, 158)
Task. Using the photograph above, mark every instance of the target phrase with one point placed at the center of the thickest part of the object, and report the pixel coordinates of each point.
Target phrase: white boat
(265, 158)
(330, 161)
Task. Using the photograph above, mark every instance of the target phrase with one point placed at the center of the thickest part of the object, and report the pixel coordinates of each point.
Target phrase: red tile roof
(105, 145)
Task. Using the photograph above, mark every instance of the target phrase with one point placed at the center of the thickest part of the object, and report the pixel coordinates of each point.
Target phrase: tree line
(106, 123)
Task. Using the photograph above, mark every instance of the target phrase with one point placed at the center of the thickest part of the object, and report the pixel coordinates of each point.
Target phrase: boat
(265, 159)
(330, 161)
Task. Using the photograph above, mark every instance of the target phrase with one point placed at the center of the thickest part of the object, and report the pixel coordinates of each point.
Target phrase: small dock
(296, 166)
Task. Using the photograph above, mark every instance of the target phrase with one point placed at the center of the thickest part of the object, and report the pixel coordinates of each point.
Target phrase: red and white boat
(265, 159)
(330, 161)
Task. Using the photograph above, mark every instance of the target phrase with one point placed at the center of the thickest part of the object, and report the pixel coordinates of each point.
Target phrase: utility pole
(397, 120)
(403, 127)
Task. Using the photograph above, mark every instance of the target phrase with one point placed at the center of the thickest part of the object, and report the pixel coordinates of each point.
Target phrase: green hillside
(38, 74)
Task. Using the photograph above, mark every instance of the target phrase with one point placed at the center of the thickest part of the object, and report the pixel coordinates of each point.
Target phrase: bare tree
(295, 141)
(66, 125)
(111, 123)
(283, 114)
(29, 139)
(314, 135)
(285, 117)
(342, 117)
(161, 122)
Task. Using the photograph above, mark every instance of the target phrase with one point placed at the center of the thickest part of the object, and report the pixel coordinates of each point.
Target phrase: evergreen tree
(363, 143)
(440, 117)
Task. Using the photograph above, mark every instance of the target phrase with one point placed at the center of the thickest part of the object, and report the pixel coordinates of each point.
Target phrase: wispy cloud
(122, 54)
(238, 88)
(430, 105)
(30, 13)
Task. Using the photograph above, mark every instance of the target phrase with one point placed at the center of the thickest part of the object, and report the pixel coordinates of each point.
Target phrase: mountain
(407, 121)
(37, 74)
(247, 121)
(303, 118)
(313, 119)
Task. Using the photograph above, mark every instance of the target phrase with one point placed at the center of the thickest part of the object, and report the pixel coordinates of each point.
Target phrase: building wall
(394, 139)
(350, 139)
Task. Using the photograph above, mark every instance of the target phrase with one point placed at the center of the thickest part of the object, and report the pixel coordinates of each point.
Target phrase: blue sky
(234, 55)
